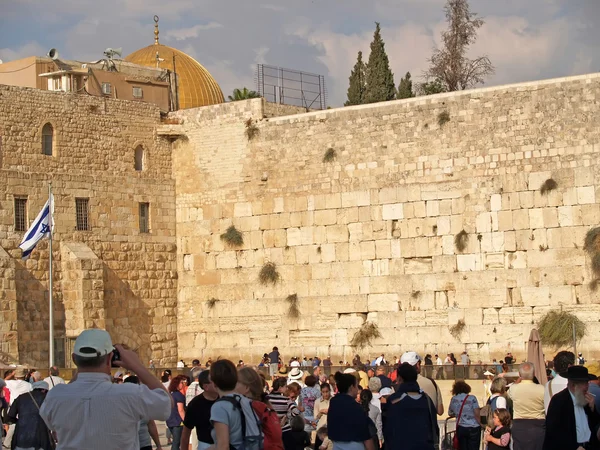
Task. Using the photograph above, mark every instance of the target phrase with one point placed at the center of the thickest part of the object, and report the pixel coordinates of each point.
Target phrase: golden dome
(196, 86)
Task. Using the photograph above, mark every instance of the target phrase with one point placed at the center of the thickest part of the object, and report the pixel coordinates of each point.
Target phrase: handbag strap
(461, 409)
(34, 401)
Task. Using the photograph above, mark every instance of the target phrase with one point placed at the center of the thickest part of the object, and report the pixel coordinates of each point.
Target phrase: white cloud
(182, 34)
(28, 49)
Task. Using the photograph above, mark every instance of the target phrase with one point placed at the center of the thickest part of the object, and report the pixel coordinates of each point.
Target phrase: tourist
(16, 385)
(562, 361)
(497, 398)
(308, 396)
(374, 414)
(147, 430)
(426, 384)
(165, 378)
(197, 415)
(322, 406)
(498, 435)
(487, 384)
(428, 366)
(274, 359)
(30, 429)
(54, 378)
(316, 362)
(175, 420)
(285, 408)
(508, 359)
(295, 376)
(439, 370)
(180, 364)
(356, 361)
(571, 415)
(528, 410)
(225, 414)
(594, 385)
(380, 373)
(375, 387)
(208, 363)
(466, 409)
(580, 359)
(83, 413)
(347, 422)
(327, 365)
(323, 440)
(193, 389)
(195, 369)
(410, 416)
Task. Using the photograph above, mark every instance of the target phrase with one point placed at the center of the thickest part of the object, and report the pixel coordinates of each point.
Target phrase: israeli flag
(39, 229)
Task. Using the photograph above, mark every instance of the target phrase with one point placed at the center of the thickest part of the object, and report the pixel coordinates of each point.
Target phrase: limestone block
(383, 302)
(383, 249)
(333, 201)
(446, 207)
(394, 211)
(415, 318)
(395, 249)
(445, 263)
(516, 260)
(514, 315)
(505, 220)
(565, 216)
(536, 218)
(443, 225)
(367, 250)
(456, 224)
(454, 315)
(388, 319)
(586, 194)
(226, 260)
(496, 202)
(526, 199)
(483, 222)
(535, 296)
(433, 318)
(418, 265)
(590, 214)
(422, 247)
(357, 198)
(441, 300)
(337, 233)
(388, 195)
(343, 304)
(302, 253)
(294, 237)
(350, 320)
(325, 217)
(536, 179)
(550, 217)
(458, 205)
(278, 205)
(415, 227)
(342, 251)
(490, 316)
(584, 176)
(340, 336)
(420, 209)
(376, 268)
(274, 238)
(562, 295)
(328, 252)
(432, 208)
(556, 257)
(520, 219)
(469, 262)
(407, 248)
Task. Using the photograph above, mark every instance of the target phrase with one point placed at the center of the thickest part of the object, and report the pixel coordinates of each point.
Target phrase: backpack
(252, 433)
(270, 426)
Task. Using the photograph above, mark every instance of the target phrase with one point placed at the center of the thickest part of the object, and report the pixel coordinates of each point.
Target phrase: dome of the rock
(196, 86)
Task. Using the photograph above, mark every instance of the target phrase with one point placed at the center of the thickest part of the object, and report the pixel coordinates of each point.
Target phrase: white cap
(410, 357)
(93, 343)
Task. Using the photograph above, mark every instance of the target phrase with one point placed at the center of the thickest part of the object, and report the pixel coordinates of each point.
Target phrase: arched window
(139, 158)
(47, 139)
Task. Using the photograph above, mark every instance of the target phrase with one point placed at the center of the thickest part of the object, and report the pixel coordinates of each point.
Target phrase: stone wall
(370, 235)
(132, 274)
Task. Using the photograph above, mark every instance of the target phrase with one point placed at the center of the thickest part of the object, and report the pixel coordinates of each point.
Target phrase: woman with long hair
(347, 421)
(374, 414)
(175, 420)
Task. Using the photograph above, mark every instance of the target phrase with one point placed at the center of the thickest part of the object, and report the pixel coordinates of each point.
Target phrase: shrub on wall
(461, 240)
(329, 155)
(251, 129)
(268, 274)
(293, 311)
(233, 237)
(443, 118)
(457, 329)
(556, 328)
(363, 337)
(548, 185)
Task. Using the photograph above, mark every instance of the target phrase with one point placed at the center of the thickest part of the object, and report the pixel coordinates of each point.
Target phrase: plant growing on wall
(365, 334)
(443, 118)
(212, 302)
(457, 329)
(556, 328)
(232, 237)
(461, 240)
(251, 129)
(329, 155)
(547, 186)
(269, 274)
(293, 311)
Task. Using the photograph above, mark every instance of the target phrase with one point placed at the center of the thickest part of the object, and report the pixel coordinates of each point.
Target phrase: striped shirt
(284, 407)
(94, 414)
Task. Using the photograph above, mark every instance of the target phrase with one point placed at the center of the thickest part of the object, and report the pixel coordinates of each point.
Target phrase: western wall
(370, 234)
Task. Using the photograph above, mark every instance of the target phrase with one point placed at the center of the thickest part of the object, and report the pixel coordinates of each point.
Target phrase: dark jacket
(31, 431)
(561, 433)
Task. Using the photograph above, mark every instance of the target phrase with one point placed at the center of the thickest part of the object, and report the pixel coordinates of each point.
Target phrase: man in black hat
(572, 421)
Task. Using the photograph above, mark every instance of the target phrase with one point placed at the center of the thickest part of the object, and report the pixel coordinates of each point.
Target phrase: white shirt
(180, 365)
(501, 402)
(295, 364)
(94, 414)
(193, 391)
(581, 422)
(16, 388)
(53, 381)
(438, 362)
(558, 384)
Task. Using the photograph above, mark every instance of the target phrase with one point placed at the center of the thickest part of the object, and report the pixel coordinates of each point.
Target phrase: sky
(525, 39)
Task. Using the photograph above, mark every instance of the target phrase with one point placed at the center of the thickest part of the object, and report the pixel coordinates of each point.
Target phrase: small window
(106, 88)
(137, 92)
(144, 217)
(20, 214)
(81, 213)
(139, 158)
(47, 139)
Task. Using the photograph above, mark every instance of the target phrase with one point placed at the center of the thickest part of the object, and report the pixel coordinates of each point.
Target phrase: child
(298, 439)
(498, 437)
(326, 444)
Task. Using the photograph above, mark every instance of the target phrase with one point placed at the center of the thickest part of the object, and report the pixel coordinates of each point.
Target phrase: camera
(115, 357)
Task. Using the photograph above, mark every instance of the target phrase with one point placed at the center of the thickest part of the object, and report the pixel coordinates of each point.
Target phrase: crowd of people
(293, 407)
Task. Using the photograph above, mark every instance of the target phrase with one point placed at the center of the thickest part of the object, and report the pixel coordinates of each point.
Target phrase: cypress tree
(380, 79)
(405, 89)
(356, 89)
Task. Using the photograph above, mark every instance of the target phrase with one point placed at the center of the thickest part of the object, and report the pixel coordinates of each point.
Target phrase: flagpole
(50, 290)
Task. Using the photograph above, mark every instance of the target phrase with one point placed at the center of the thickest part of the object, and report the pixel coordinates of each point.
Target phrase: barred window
(20, 214)
(47, 139)
(144, 217)
(81, 213)
(137, 92)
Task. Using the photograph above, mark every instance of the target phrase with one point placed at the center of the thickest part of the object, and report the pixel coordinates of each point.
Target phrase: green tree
(432, 87)
(242, 94)
(380, 79)
(405, 89)
(356, 89)
(450, 64)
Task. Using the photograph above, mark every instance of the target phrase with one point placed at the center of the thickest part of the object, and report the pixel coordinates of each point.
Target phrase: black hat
(576, 373)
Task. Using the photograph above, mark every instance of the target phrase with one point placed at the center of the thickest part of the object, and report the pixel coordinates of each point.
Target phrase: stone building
(359, 209)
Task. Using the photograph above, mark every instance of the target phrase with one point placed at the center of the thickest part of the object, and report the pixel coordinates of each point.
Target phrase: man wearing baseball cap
(427, 385)
(92, 413)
